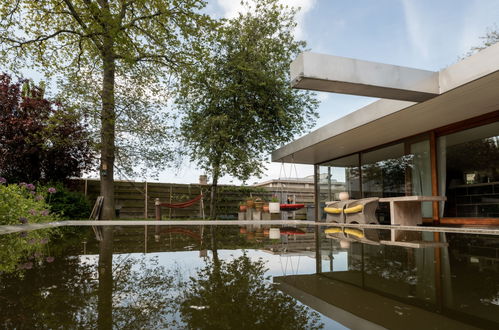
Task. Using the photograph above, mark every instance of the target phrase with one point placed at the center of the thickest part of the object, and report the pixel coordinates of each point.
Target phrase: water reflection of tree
(388, 175)
(481, 155)
(69, 293)
(132, 293)
(236, 295)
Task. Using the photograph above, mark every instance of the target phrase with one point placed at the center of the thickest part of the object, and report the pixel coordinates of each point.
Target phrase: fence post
(157, 204)
(145, 203)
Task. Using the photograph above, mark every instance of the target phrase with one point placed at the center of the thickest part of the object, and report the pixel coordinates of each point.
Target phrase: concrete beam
(474, 67)
(350, 76)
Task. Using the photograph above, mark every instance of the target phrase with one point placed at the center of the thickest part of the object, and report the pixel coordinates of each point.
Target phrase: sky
(424, 34)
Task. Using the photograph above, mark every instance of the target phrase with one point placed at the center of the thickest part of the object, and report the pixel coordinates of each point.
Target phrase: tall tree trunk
(214, 249)
(108, 118)
(214, 192)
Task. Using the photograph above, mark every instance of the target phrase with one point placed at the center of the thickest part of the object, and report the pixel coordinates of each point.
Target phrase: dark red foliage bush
(40, 140)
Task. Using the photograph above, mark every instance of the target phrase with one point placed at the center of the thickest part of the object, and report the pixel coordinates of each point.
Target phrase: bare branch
(42, 38)
(77, 17)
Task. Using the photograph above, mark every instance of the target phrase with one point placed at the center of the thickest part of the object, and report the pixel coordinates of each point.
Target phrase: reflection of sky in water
(278, 265)
(187, 262)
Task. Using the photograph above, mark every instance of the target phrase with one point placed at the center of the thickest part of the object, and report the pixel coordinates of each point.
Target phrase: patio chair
(361, 211)
(334, 211)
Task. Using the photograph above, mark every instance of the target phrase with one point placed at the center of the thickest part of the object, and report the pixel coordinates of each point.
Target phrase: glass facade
(384, 172)
(401, 169)
(468, 168)
(467, 165)
(339, 175)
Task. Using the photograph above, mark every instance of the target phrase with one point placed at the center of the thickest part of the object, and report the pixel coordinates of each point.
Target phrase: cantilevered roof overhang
(329, 73)
(466, 89)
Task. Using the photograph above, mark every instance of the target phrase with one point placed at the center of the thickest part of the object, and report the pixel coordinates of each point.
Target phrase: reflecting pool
(282, 276)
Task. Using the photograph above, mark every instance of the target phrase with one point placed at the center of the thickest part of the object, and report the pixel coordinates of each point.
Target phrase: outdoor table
(406, 210)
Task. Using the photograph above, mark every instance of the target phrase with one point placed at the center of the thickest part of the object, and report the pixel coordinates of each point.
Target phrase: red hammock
(291, 207)
(291, 231)
(182, 205)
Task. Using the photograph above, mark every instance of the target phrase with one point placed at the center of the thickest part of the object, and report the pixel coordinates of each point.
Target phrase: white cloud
(231, 8)
(415, 27)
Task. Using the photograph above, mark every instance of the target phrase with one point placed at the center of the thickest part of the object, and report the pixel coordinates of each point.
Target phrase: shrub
(69, 205)
(22, 204)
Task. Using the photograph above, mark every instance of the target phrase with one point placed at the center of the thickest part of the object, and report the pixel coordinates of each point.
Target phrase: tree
(238, 104)
(490, 38)
(39, 139)
(102, 49)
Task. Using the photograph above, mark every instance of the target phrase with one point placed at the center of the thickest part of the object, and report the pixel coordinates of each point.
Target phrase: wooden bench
(406, 210)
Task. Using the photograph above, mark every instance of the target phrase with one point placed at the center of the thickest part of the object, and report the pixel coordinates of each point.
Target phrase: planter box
(274, 207)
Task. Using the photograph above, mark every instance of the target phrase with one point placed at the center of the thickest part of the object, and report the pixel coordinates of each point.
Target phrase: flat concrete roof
(329, 73)
(466, 89)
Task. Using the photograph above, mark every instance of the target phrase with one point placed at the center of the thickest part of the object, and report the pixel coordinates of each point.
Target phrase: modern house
(430, 134)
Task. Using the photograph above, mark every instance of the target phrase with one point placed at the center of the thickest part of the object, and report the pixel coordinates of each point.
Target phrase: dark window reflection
(469, 172)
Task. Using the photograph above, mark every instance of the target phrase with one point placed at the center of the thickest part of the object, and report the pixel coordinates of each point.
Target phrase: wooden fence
(135, 200)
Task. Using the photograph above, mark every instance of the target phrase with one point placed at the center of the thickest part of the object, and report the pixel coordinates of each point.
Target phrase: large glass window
(468, 164)
(402, 169)
(384, 172)
(337, 176)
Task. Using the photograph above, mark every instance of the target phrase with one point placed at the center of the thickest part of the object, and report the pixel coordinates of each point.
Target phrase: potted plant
(258, 203)
(274, 205)
(250, 202)
(242, 207)
(265, 207)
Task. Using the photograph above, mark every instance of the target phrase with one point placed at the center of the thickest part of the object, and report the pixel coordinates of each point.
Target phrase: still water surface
(236, 277)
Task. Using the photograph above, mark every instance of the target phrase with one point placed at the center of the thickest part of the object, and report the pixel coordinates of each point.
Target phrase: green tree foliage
(238, 104)
(236, 295)
(112, 55)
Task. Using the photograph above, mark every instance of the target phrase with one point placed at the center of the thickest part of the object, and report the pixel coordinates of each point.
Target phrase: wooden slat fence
(135, 200)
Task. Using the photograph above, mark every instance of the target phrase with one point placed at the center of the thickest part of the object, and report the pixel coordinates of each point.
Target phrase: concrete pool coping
(6, 229)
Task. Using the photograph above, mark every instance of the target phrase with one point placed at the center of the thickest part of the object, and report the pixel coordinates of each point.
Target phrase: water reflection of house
(431, 134)
(297, 245)
(306, 182)
(401, 279)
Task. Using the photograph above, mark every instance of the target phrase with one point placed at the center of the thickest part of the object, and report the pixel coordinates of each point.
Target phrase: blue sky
(423, 34)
